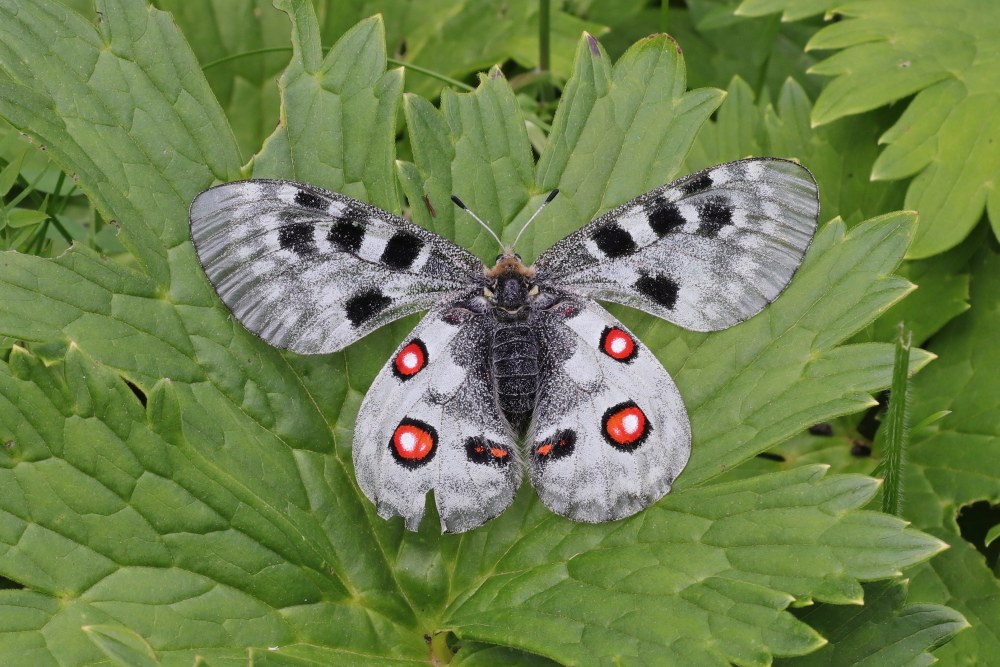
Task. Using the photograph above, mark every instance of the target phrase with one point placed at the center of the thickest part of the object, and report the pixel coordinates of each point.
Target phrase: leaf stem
(400, 63)
(545, 48)
(664, 15)
(431, 73)
(897, 431)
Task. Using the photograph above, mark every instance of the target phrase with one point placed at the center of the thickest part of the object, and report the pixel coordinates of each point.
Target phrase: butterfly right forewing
(705, 252)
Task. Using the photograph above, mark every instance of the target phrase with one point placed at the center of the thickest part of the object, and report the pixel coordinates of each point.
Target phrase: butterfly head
(510, 286)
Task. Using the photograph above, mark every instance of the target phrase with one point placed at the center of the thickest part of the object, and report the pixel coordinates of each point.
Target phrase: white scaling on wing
(753, 169)
(372, 247)
(692, 219)
(771, 209)
(448, 376)
(636, 222)
(764, 190)
(592, 248)
(720, 175)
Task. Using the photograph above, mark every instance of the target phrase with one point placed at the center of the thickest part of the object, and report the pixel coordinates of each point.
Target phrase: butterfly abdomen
(515, 371)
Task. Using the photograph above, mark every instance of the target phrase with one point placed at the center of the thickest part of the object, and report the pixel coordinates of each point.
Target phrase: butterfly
(514, 368)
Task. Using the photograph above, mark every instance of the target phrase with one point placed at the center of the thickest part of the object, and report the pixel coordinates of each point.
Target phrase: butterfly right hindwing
(610, 433)
(430, 421)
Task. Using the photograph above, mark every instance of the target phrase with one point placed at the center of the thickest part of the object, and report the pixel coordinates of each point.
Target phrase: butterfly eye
(533, 291)
(499, 257)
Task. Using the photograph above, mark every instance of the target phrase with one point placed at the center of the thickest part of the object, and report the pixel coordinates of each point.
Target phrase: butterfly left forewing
(311, 270)
(610, 433)
(430, 422)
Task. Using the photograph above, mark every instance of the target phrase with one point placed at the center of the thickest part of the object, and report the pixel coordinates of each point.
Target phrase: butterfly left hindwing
(431, 421)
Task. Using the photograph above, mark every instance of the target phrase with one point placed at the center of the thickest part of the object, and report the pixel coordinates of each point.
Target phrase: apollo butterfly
(511, 357)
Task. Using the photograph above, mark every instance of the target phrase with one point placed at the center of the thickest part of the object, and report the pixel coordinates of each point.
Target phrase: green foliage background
(173, 491)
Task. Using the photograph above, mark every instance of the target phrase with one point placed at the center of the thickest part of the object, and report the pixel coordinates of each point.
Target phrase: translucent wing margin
(430, 422)
(311, 270)
(705, 252)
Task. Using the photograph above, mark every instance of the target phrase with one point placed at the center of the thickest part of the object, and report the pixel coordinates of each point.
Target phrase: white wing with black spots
(610, 433)
(514, 351)
(312, 271)
(431, 422)
(705, 252)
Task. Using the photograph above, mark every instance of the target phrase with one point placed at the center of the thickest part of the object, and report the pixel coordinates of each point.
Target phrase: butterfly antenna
(552, 195)
(461, 205)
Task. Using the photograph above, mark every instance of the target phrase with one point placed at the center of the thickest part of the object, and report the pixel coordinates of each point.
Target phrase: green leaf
(891, 49)
(228, 37)
(632, 599)
(956, 461)
(461, 37)
(124, 110)
(992, 534)
(170, 474)
(894, 436)
(23, 217)
(9, 174)
(764, 51)
(885, 632)
(476, 147)
(122, 646)
(338, 113)
(790, 10)
(840, 154)
(942, 293)
(806, 362)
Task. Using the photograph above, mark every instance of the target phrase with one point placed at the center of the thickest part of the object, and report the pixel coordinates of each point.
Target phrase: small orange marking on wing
(498, 453)
(545, 449)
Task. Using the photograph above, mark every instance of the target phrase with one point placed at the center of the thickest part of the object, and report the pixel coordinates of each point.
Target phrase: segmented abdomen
(515, 372)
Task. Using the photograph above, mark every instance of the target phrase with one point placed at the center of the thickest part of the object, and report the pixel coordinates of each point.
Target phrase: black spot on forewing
(365, 305)
(346, 236)
(714, 214)
(697, 184)
(660, 288)
(297, 237)
(664, 217)
(614, 241)
(401, 250)
(307, 199)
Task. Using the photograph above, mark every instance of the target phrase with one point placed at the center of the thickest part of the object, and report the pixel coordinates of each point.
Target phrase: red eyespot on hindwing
(411, 360)
(625, 426)
(618, 344)
(413, 443)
